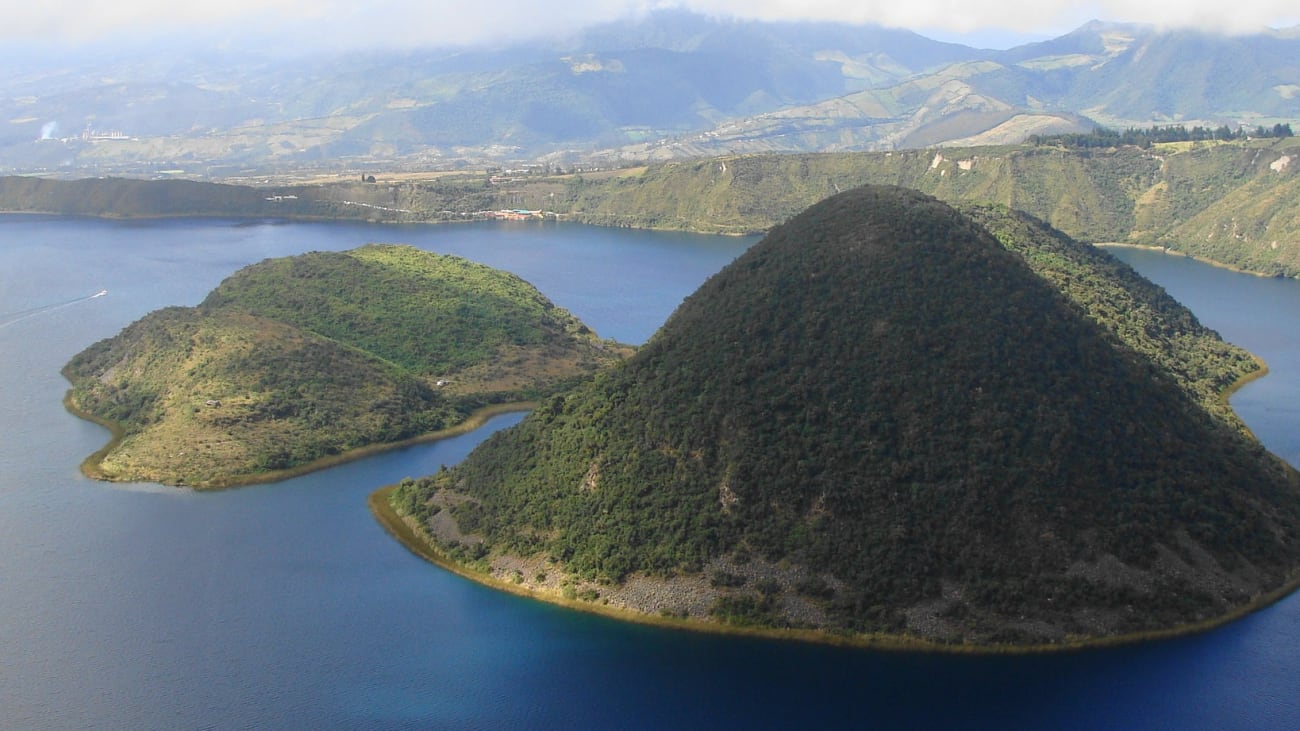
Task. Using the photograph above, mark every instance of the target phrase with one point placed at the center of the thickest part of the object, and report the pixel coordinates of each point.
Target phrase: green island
(1230, 202)
(893, 423)
(298, 363)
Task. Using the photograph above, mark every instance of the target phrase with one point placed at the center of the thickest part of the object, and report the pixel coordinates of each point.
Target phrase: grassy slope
(1232, 203)
(316, 355)
(1222, 202)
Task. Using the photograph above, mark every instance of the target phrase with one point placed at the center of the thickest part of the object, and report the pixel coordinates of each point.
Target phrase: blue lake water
(286, 606)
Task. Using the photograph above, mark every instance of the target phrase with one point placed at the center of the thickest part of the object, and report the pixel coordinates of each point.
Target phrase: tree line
(1144, 138)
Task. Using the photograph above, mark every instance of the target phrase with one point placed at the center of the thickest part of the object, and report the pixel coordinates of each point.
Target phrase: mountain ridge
(672, 84)
(1231, 203)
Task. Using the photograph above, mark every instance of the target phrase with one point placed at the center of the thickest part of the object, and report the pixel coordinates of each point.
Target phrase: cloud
(339, 23)
(90, 20)
(353, 23)
(1024, 16)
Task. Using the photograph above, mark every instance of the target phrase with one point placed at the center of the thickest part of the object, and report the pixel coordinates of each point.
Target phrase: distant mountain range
(670, 85)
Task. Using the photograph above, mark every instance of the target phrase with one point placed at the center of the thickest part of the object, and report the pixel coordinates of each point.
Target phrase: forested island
(298, 362)
(890, 422)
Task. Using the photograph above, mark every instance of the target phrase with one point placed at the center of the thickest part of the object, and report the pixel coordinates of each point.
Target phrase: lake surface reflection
(286, 606)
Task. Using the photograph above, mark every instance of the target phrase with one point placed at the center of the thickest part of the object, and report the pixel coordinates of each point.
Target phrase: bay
(286, 606)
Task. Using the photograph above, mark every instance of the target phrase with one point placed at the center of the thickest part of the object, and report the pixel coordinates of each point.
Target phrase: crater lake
(287, 606)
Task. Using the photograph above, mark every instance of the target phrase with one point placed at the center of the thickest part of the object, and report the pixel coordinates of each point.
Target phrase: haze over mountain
(666, 84)
(295, 26)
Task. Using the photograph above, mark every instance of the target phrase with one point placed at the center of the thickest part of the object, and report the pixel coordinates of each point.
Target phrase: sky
(369, 23)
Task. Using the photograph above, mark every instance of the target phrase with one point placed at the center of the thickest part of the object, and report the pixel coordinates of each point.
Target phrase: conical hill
(880, 420)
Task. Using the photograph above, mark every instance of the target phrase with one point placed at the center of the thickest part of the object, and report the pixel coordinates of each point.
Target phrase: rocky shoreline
(688, 601)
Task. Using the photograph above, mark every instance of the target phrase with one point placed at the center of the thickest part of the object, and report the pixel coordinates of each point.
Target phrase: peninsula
(890, 422)
(300, 362)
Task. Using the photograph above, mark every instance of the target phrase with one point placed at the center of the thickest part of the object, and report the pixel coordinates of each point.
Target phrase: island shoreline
(1165, 250)
(92, 466)
(401, 529)
(413, 539)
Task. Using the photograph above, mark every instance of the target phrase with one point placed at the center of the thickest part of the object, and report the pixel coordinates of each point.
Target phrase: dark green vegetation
(1146, 138)
(890, 417)
(308, 357)
(1138, 313)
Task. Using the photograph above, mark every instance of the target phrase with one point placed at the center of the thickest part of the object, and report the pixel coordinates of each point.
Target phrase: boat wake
(11, 318)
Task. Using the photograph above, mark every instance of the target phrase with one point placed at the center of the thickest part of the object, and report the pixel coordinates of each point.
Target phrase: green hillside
(1133, 310)
(127, 198)
(880, 421)
(298, 359)
(131, 198)
(1232, 203)
(1235, 203)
